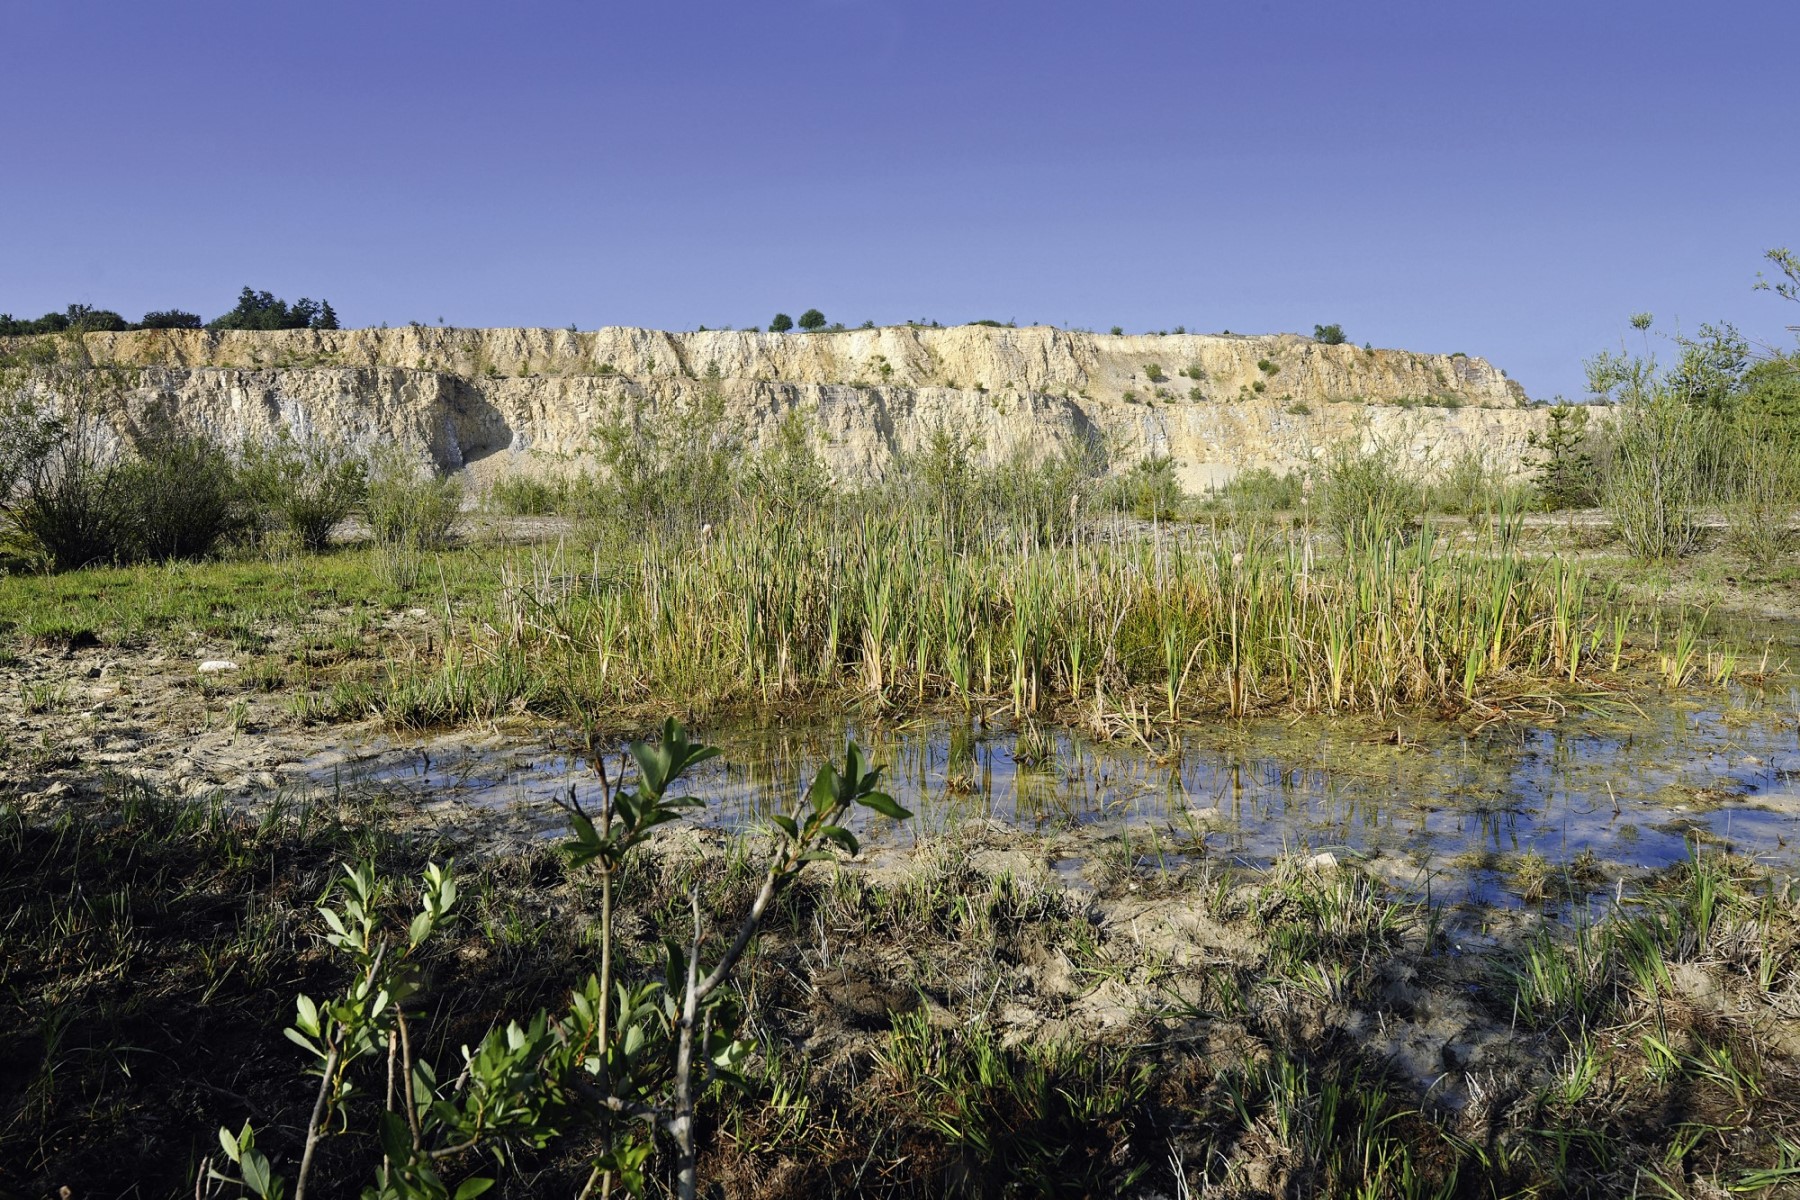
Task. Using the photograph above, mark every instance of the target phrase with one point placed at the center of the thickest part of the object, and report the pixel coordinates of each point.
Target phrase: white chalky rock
(497, 402)
(213, 666)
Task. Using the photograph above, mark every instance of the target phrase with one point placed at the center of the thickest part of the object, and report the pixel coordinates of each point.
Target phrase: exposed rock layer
(496, 401)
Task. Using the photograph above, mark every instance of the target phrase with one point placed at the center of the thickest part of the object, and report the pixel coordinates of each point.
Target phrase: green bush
(27, 434)
(1329, 335)
(789, 478)
(812, 320)
(945, 474)
(77, 318)
(1654, 487)
(1472, 486)
(1040, 497)
(78, 503)
(781, 324)
(668, 468)
(1027, 495)
(72, 512)
(1149, 490)
(1262, 490)
(1664, 455)
(410, 503)
(533, 495)
(304, 487)
(1760, 507)
(173, 318)
(181, 496)
(1369, 494)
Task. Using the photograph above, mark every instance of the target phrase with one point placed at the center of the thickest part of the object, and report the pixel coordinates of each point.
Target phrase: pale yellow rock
(500, 401)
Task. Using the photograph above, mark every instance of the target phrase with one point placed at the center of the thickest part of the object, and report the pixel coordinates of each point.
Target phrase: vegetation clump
(304, 486)
(254, 310)
(1561, 460)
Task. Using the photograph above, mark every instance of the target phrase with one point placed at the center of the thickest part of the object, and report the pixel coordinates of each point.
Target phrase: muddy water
(1427, 808)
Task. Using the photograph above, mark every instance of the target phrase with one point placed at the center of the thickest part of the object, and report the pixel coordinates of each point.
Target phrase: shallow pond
(1426, 807)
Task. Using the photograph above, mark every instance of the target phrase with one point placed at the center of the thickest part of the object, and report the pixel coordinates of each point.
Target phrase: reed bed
(878, 608)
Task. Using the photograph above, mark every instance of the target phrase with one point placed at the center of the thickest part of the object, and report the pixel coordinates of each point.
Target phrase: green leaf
(824, 791)
(396, 1137)
(257, 1175)
(653, 763)
(305, 1043)
(229, 1142)
(884, 804)
(786, 825)
(470, 1188)
(842, 836)
(420, 929)
(307, 1015)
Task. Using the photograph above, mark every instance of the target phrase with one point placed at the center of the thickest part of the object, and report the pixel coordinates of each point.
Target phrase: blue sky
(1509, 180)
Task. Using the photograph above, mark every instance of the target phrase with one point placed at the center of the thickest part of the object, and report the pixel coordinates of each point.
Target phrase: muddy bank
(955, 1017)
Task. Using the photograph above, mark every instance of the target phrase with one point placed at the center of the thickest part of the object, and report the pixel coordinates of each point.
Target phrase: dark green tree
(812, 319)
(781, 324)
(173, 318)
(262, 310)
(1563, 466)
(1329, 335)
(87, 319)
(52, 322)
(81, 318)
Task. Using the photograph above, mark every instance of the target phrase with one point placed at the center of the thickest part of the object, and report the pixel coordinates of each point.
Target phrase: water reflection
(1445, 811)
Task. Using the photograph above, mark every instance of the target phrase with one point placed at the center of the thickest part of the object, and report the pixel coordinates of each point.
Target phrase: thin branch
(682, 1127)
(313, 1123)
(779, 870)
(412, 1108)
(449, 1151)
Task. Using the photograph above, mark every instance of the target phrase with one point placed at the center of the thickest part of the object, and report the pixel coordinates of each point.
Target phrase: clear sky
(1507, 179)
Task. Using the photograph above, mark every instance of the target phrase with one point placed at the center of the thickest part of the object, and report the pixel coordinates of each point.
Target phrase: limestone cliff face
(498, 401)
